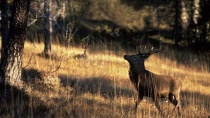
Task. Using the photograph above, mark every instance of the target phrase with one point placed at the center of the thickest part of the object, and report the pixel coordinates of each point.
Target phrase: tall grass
(99, 86)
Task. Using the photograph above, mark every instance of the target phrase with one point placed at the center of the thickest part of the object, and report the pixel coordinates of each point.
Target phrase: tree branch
(29, 61)
(58, 67)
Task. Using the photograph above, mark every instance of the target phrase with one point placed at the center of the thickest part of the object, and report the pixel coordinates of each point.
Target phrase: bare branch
(31, 23)
(29, 61)
(37, 17)
(70, 33)
(86, 40)
(58, 67)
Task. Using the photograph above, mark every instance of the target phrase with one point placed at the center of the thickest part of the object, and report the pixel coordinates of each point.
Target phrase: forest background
(58, 83)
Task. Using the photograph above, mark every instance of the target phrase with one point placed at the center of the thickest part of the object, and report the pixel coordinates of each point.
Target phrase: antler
(152, 51)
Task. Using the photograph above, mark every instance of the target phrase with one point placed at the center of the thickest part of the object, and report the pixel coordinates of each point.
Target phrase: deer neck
(143, 74)
(138, 68)
(138, 74)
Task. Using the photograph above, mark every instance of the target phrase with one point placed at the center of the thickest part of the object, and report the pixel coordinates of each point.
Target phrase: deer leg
(155, 98)
(139, 98)
(175, 100)
(157, 105)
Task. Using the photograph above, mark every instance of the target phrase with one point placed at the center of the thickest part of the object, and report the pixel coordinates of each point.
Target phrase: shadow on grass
(20, 104)
(95, 85)
(52, 56)
(14, 102)
(17, 103)
(203, 83)
(29, 75)
(106, 88)
(195, 99)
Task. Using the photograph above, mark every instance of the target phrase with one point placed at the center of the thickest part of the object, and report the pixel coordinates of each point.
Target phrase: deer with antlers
(153, 85)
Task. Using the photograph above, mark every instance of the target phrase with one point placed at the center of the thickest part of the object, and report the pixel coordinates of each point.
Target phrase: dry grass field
(99, 86)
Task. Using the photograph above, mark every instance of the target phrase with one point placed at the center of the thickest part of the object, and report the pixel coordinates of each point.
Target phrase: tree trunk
(64, 19)
(177, 23)
(4, 24)
(204, 19)
(48, 28)
(11, 61)
(203, 33)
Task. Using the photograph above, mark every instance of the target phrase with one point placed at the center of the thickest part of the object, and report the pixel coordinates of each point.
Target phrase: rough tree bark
(47, 28)
(4, 24)
(11, 61)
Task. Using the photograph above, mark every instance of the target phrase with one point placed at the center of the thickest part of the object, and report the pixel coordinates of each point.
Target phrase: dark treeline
(185, 23)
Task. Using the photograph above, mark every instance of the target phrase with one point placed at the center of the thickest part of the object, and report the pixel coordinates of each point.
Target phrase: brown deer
(85, 43)
(153, 85)
(81, 56)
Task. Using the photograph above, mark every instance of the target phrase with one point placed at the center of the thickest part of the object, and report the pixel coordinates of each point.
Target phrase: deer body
(152, 85)
(148, 83)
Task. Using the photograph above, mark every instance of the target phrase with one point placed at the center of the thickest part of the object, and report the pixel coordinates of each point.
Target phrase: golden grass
(99, 86)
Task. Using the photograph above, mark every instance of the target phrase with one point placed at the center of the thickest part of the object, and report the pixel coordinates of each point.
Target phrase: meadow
(99, 86)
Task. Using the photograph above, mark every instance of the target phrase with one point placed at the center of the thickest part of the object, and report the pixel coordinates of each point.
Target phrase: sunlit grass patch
(99, 85)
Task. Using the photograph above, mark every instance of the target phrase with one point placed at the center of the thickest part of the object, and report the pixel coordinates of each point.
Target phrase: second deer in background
(85, 43)
(81, 56)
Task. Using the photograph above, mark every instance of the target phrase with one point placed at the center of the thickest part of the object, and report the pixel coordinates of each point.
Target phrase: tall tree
(204, 20)
(4, 23)
(47, 27)
(177, 22)
(11, 61)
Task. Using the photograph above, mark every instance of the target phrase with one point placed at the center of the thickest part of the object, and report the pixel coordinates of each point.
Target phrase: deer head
(137, 61)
